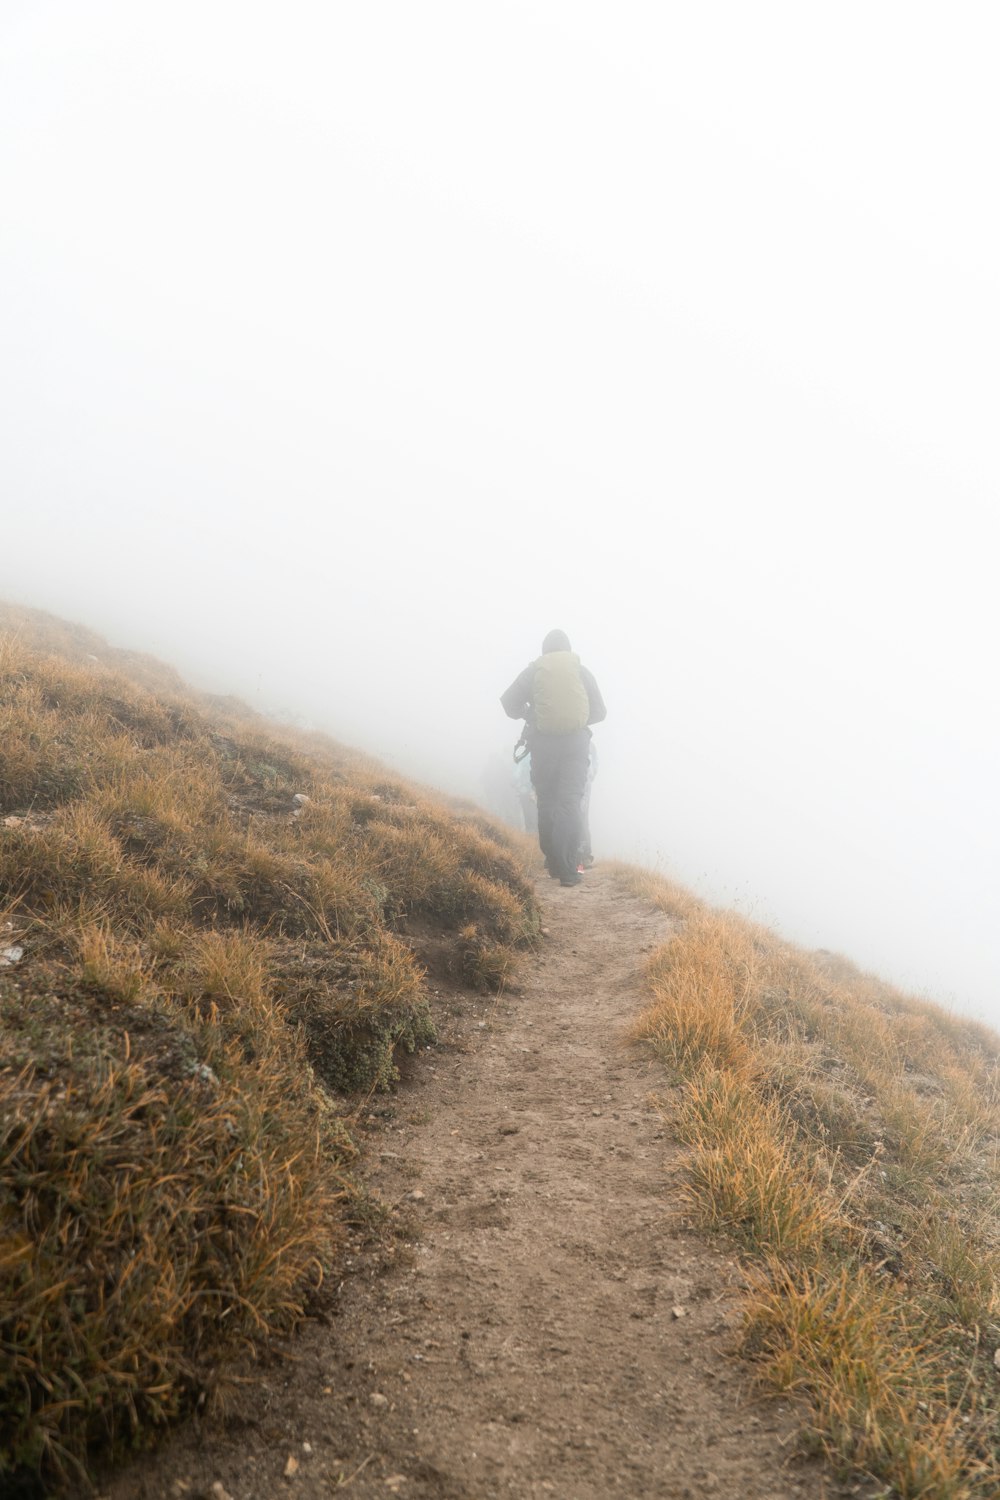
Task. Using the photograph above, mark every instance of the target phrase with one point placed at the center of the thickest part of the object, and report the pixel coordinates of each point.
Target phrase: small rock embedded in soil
(679, 1312)
(416, 1196)
(378, 1400)
(291, 1467)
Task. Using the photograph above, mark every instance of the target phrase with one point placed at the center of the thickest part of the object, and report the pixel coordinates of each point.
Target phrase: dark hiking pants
(559, 765)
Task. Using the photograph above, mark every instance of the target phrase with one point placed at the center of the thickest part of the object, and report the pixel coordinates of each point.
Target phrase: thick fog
(347, 349)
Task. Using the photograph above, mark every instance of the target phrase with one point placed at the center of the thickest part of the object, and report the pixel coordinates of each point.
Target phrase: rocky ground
(538, 1322)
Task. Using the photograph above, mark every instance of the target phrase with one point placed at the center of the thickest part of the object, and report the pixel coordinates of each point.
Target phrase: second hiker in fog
(558, 698)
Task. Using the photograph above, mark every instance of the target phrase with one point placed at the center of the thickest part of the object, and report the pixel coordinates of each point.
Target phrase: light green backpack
(560, 697)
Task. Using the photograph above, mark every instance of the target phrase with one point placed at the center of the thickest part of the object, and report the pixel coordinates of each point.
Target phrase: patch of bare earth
(550, 1327)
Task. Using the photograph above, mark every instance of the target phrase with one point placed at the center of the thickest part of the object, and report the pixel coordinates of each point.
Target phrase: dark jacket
(518, 700)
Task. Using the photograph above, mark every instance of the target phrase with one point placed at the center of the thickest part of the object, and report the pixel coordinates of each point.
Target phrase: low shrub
(357, 1003)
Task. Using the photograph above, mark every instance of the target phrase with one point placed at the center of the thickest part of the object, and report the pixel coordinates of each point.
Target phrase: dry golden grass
(846, 1136)
(887, 1393)
(163, 1197)
(745, 1175)
(215, 970)
(667, 895)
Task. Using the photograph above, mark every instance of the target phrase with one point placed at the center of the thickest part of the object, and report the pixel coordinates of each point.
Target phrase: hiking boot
(575, 879)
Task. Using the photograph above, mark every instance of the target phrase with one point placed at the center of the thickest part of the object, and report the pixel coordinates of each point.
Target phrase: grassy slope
(846, 1135)
(212, 969)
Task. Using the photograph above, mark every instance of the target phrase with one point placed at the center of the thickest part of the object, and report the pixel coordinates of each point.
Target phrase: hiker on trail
(586, 851)
(558, 699)
(526, 793)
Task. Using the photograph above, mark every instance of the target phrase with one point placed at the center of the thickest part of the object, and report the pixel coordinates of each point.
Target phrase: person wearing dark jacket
(559, 699)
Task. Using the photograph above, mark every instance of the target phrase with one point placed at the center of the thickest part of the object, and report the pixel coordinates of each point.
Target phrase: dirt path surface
(550, 1328)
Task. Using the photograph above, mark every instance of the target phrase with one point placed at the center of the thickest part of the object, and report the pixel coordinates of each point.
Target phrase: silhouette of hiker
(586, 848)
(558, 698)
(526, 794)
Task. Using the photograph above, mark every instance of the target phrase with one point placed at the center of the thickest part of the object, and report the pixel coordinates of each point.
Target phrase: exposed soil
(541, 1323)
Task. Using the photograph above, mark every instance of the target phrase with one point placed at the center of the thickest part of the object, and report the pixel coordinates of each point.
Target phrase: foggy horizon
(345, 355)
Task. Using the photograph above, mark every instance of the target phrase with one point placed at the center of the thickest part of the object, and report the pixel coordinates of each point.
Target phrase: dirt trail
(552, 1330)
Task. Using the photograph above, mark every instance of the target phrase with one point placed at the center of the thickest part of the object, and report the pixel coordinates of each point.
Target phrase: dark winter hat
(556, 640)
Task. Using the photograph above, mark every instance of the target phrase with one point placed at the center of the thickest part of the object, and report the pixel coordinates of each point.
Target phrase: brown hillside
(212, 934)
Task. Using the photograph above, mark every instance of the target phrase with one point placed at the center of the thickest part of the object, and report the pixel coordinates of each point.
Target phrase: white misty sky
(347, 349)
